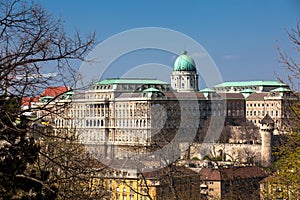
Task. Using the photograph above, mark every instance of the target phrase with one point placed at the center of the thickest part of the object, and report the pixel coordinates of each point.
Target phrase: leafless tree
(288, 60)
(32, 43)
(285, 181)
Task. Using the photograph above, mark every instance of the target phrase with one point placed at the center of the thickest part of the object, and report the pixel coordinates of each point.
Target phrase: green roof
(184, 63)
(132, 81)
(247, 91)
(207, 90)
(151, 90)
(70, 93)
(281, 89)
(250, 83)
(46, 97)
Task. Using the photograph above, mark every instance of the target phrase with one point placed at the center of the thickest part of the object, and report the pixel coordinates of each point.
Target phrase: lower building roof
(251, 83)
(231, 173)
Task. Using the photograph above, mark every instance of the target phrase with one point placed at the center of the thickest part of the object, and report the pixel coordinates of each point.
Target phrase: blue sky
(240, 36)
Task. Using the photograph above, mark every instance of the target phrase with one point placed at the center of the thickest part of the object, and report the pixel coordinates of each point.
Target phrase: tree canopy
(285, 182)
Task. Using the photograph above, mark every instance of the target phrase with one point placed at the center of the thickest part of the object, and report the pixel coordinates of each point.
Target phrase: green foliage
(18, 150)
(285, 181)
(195, 158)
(288, 168)
(69, 167)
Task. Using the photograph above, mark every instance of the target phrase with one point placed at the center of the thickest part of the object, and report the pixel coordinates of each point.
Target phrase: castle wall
(248, 153)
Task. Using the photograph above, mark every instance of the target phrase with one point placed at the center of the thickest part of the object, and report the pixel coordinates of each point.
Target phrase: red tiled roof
(176, 171)
(210, 174)
(231, 173)
(27, 100)
(54, 91)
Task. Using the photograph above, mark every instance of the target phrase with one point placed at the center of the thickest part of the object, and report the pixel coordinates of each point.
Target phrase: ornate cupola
(184, 77)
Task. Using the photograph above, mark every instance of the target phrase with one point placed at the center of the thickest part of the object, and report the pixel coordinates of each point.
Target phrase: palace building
(143, 112)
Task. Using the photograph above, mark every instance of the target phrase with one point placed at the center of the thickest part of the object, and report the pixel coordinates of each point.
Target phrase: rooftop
(247, 91)
(267, 120)
(232, 173)
(207, 90)
(184, 63)
(151, 90)
(251, 83)
(281, 89)
(175, 171)
(257, 96)
(54, 91)
(131, 81)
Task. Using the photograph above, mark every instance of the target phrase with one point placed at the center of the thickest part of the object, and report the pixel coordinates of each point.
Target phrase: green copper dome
(184, 63)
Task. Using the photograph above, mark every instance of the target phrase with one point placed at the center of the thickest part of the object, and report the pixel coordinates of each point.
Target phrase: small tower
(266, 131)
(184, 77)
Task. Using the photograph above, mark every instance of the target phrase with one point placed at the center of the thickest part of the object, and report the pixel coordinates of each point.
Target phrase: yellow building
(171, 182)
(274, 103)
